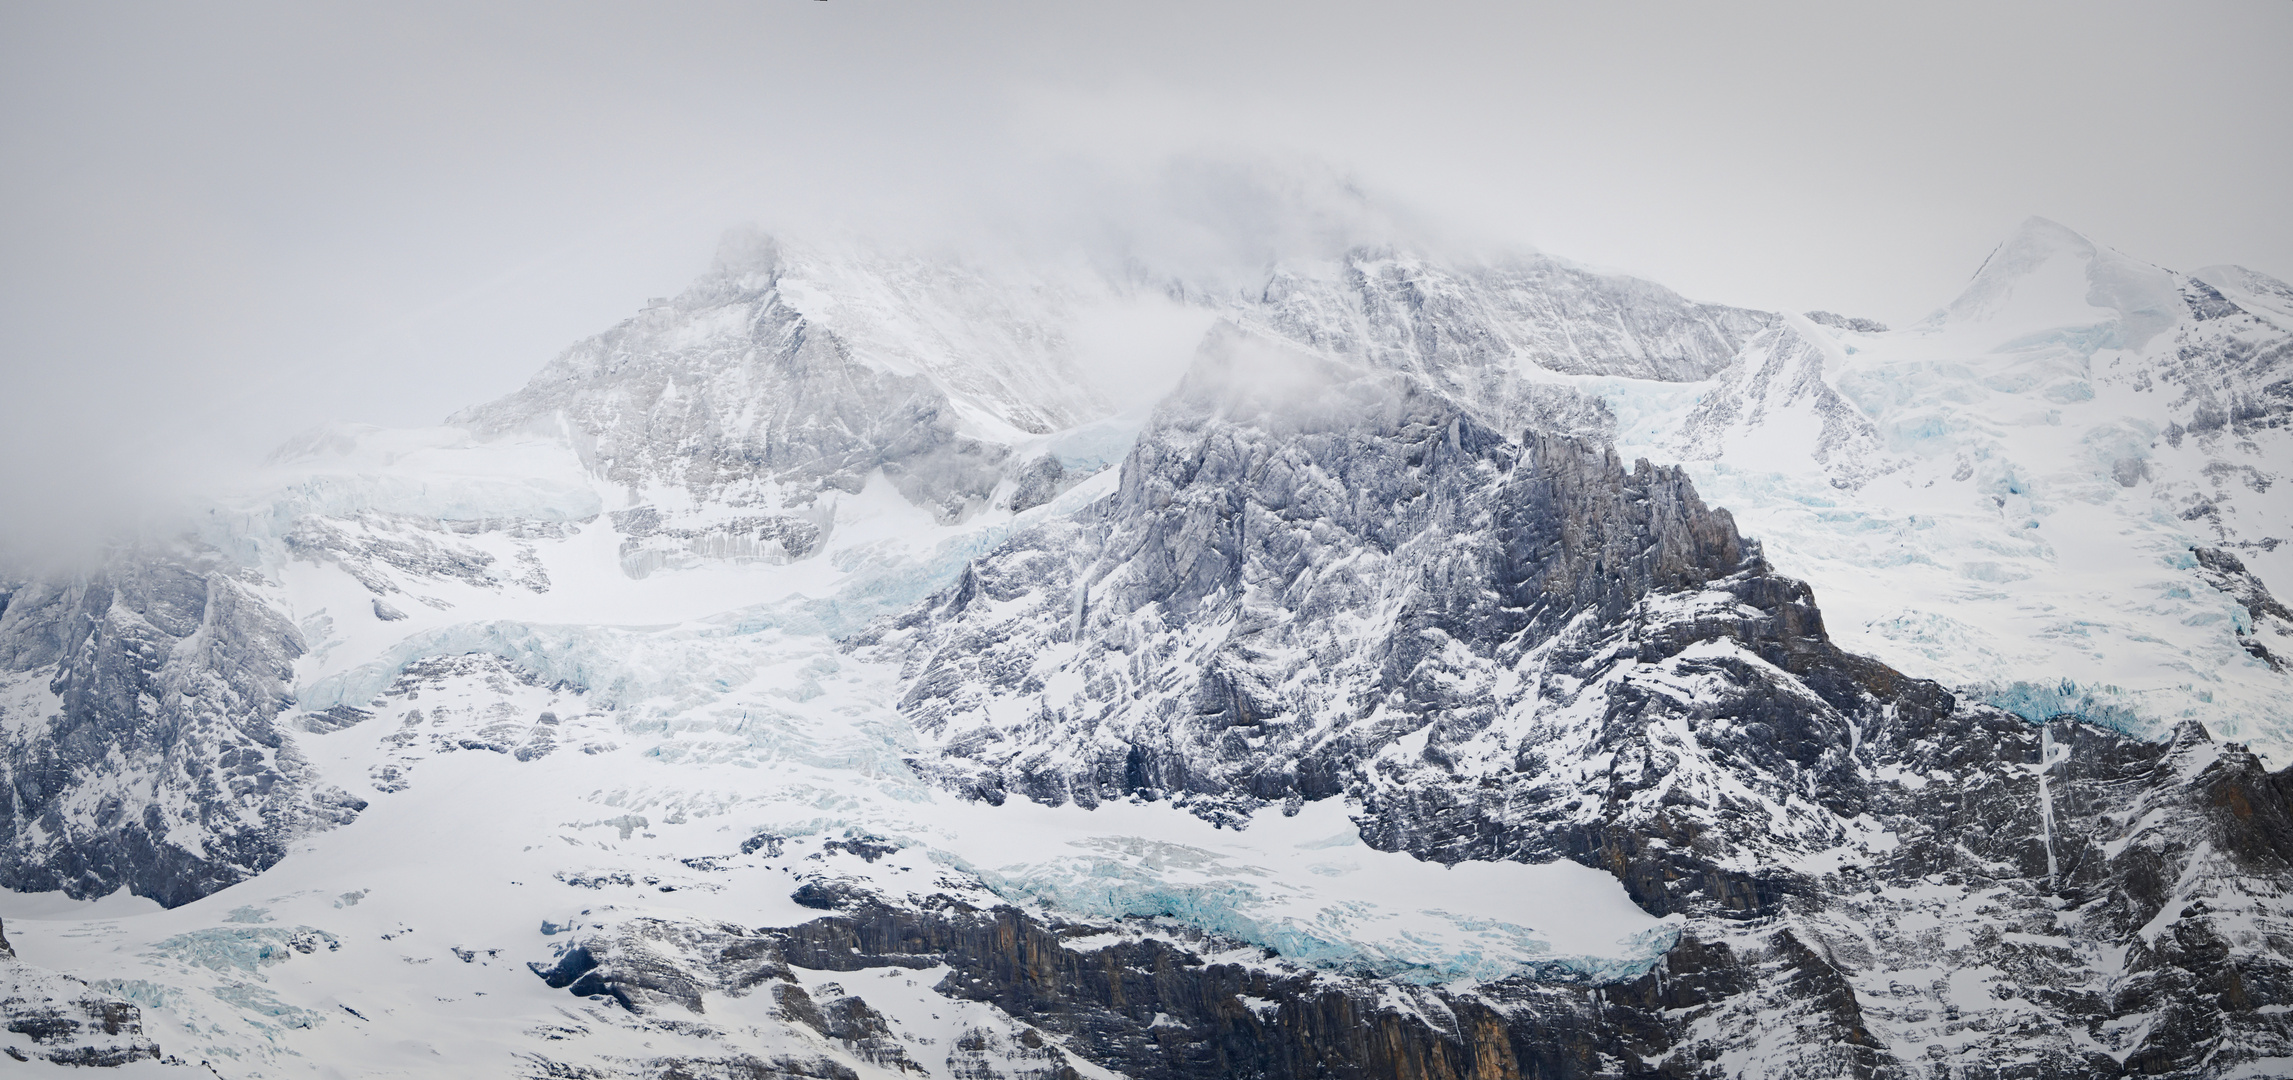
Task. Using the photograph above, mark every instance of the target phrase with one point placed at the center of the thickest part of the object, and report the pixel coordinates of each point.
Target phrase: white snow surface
(2007, 496)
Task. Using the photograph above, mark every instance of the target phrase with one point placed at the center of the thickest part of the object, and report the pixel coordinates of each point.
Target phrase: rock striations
(1317, 581)
(144, 746)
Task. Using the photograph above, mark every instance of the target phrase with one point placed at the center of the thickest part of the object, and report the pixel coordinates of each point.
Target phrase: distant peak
(2251, 290)
(2035, 229)
(2047, 275)
(2233, 276)
(745, 249)
(1236, 366)
(2033, 242)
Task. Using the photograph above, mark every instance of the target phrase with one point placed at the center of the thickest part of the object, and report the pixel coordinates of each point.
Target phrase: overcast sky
(221, 224)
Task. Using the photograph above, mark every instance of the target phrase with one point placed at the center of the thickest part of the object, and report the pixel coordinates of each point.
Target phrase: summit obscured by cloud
(225, 225)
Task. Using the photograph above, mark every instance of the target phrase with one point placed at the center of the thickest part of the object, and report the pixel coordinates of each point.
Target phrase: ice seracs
(2008, 496)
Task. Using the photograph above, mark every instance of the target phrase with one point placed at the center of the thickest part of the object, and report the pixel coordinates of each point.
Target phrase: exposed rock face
(1317, 581)
(1774, 394)
(59, 1019)
(1498, 337)
(371, 545)
(2070, 916)
(2061, 897)
(1837, 321)
(143, 747)
(1037, 483)
(649, 545)
(1377, 549)
(451, 704)
(408, 556)
(2220, 373)
(2267, 631)
(791, 370)
(1482, 331)
(1304, 564)
(1143, 1007)
(1156, 1008)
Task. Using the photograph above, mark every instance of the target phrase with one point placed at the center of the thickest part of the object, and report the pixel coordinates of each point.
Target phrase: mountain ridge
(719, 649)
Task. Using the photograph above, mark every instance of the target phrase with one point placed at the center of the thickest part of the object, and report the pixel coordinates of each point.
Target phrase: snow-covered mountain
(782, 372)
(829, 672)
(2028, 494)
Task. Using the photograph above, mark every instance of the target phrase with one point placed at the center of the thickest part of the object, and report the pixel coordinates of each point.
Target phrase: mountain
(830, 672)
(143, 742)
(796, 369)
(1318, 581)
(2021, 495)
(1512, 339)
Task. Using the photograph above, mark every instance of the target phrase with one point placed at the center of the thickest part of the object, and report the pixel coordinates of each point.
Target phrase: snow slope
(2012, 495)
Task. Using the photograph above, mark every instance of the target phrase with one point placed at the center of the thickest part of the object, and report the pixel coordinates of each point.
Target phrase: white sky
(220, 225)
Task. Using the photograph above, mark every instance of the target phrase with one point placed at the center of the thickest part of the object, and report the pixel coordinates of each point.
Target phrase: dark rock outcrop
(59, 1019)
(1147, 1007)
(153, 689)
(1316, 581)
(2267, 621)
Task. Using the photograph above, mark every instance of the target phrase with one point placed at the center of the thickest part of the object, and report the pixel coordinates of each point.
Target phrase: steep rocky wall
(45, 1016)
(1317, 581)
(1147, 1007)
(141, 745)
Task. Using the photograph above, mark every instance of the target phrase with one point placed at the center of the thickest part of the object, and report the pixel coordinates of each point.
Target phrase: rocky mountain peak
(745, 251)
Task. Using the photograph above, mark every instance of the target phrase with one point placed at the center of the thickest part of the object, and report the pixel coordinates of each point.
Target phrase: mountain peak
(2033, 244)
(2250, 289)
(2042, 232)
(745, 249)
(2048, 276)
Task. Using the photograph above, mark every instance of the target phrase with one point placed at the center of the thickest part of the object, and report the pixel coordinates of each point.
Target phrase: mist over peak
(1044, 541)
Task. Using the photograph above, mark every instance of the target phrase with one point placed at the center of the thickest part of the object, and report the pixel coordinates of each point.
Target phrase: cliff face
(144, 747)
(56, 1018)
(2119, 919)
(1318, 582)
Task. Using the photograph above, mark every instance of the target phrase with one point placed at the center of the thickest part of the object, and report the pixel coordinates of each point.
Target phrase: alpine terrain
(1458, 667)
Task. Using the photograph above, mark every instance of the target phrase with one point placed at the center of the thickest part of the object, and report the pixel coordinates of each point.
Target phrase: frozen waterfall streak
(2050, 754)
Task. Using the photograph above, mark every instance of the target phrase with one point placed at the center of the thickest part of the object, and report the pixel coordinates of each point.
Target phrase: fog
(223, 225)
